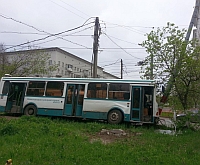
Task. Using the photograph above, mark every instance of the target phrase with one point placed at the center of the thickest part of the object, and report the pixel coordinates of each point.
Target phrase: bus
(112, 100)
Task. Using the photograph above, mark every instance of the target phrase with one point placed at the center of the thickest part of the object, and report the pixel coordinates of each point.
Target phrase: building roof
(52, 49)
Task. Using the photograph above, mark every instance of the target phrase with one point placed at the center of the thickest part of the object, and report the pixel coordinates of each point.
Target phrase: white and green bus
(115, 100)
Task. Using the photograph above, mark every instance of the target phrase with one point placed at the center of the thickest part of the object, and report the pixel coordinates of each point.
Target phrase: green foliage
(190, 120)
(9, 129)
(167, 114)
(31, 62)
(45, 141)
(174, 58)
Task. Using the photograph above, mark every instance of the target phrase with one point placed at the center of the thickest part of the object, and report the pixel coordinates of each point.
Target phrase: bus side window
(54, 88)
(119, 91)
(6, 88)
(97, 90)
(35, 88)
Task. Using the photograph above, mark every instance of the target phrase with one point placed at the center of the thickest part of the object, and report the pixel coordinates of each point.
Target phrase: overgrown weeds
(42, 140)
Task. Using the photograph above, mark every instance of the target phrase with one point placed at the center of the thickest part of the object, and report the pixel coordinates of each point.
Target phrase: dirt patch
(9, 117)
(109, 136)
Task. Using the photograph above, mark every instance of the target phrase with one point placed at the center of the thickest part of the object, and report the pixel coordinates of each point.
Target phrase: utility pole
(194, 21)
(95, 46)
(121, 69)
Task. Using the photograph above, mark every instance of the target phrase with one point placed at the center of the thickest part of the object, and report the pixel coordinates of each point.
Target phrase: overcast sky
(124, 24)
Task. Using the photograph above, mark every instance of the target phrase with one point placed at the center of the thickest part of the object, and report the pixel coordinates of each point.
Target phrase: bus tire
(30, 110)
(115, 117)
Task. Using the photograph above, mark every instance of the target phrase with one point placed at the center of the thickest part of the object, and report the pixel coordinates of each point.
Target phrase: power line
(49, 34)
(112, 63)
(44, 39)
(122, 40)
(129, 28)
(75, 8)
(13, 32)
(84, 24)
(67, 9)
(64, 39)
(79, 31)
(121, 47)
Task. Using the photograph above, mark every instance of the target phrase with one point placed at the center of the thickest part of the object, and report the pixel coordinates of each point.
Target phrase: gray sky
(123, 24)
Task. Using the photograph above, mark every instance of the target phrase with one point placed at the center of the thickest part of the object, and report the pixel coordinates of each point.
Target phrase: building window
(62, 64)
(97, 90)
(70, 66)
(75, 68)
(62, 72)
(50, 62)
(65, 72)
(80, 70)
(58, 63)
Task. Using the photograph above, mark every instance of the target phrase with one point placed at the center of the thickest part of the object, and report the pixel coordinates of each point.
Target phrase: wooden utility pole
(95, 46)
(121, 69)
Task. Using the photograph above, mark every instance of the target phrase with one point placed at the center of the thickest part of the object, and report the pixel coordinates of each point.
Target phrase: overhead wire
(75, 8)
(57, 38)
(122, 40)
(120, 47)
(112, 63)
(129, 28)
(67, 9)
(25, 33)
(49, 34)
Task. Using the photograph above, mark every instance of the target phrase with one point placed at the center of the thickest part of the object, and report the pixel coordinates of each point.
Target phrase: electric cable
(121, 47)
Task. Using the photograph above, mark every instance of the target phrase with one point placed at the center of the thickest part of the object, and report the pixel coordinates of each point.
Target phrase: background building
(68, 64)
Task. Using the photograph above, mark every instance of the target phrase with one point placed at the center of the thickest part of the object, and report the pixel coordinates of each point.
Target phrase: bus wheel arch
(30, 110)
(115, 116)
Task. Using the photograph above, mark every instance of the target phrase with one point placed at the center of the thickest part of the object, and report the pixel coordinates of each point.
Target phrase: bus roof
(85, 80)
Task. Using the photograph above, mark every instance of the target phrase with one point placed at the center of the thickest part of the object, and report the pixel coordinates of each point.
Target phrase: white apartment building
(69, 65)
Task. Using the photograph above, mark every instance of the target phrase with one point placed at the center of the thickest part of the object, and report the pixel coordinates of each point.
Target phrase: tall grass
(40, 140)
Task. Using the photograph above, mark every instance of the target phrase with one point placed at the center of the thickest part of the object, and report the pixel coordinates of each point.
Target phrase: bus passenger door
(136, 106)
(4, 96)
(74, 99)
(15, 97)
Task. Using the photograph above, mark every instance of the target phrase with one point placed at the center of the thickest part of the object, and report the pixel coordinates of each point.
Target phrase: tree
(3, 59)
(27, 63)
(173, 56)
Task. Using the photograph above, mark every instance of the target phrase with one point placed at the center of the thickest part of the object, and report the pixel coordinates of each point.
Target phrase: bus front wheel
(30, 110)
(115, 117)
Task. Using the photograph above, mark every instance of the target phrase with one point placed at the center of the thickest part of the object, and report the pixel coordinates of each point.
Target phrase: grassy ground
(167, 114)
(40, 140)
